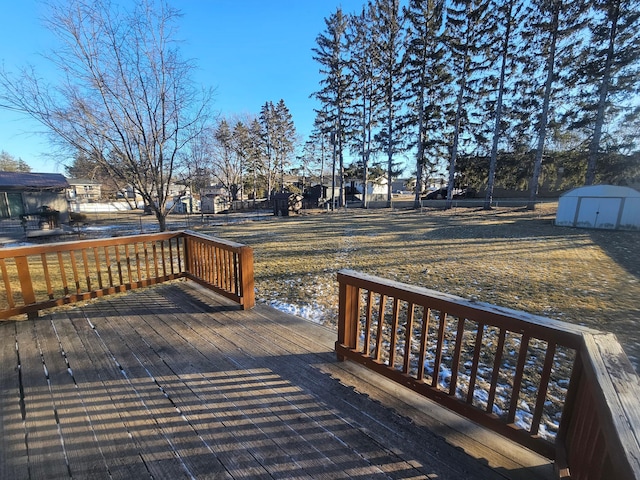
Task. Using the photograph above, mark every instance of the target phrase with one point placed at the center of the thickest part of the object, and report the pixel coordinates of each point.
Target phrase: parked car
(437, 194)
(465, 193)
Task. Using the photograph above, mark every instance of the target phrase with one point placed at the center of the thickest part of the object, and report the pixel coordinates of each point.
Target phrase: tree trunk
(496, 129)
(537, 166)
(594, 145)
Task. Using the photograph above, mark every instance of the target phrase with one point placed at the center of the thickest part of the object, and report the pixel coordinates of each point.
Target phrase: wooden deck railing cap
(460, 303)
(217, 240)
(77, 244)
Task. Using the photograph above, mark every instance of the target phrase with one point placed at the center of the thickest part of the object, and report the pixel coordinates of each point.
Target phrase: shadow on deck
(175, 382)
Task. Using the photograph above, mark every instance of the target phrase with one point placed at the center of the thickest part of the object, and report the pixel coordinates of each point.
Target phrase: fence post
(348, 311)
(247, 293)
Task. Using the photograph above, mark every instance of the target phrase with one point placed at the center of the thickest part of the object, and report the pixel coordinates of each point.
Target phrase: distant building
(30, 193)
(214, 199)
(82, 190)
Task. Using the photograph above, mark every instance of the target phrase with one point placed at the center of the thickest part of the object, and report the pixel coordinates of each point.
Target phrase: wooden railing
(565, 391)
(223, 266)
(44, 276)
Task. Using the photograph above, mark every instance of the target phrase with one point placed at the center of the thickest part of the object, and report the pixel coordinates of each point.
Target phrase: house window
(11, 205)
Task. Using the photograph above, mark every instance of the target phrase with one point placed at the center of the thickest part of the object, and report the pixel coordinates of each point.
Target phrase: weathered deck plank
(119, 452)
(12, 432)
(170, 382)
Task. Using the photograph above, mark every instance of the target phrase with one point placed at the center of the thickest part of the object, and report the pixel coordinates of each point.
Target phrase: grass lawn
(508, 256)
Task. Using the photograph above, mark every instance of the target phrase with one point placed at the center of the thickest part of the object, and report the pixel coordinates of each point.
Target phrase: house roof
(32, 181)
(82, 181)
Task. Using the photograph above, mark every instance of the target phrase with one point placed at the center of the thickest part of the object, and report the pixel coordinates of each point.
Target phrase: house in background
(33, 193)
(83, 190)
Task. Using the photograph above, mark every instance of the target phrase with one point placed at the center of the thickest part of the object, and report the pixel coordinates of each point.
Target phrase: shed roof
(602, 191)
(32, 181)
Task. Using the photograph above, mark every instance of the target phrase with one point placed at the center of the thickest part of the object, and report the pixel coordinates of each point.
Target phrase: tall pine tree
(607, 73)
(426, 82)
(388, 46)
(335, 93)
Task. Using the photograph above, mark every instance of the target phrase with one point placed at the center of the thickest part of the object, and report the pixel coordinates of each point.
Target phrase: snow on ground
(313, 313)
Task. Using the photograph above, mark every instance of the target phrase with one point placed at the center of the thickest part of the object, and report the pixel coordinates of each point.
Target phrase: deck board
(172, 382)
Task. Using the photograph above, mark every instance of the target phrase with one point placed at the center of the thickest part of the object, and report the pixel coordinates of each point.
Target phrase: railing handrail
(26, 250)
(603, 390)
(78, 270)
(569, 334)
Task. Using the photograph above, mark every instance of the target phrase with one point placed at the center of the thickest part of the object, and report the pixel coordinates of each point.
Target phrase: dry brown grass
(508, 256)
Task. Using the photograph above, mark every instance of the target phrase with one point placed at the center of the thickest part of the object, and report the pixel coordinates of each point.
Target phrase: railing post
(28, 295)
(348, 312)
(186, 254)
(247, 293)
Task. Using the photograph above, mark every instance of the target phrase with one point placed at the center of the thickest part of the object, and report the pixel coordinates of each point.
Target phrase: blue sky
(250, 51)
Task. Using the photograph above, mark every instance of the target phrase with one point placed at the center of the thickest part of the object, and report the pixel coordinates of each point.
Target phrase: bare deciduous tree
(124, 95)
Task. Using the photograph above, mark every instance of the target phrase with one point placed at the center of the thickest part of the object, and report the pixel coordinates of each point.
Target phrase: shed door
(598, 212)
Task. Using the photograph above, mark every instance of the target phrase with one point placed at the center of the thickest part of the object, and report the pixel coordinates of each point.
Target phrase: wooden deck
(174, 382)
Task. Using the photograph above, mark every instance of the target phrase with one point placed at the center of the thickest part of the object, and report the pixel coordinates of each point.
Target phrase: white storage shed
(600, 206)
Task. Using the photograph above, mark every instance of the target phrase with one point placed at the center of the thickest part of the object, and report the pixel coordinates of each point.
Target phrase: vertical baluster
(218, 263)
(74, 268)
(475, 362)
(129, 269)
(184, 241)
(163, 257)
(542, 388)
(367, 324)
(226, 275)
(455, 362)
(381, 309)
(408, 331)
(497, 361)
(438, 359)
(170, 245)
(236, 277)
(45, 271)
(107, 261)
(98, 272)
(63, 274)
(394, 332)
(517, 381)
(85, 265)
(147, 268)
(136, 250)
(154, 251)
(424, 332)
(119, 265)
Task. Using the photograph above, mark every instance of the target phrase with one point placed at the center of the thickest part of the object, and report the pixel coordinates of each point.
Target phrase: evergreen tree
(607, 73)
(268, 142)
(241, 141)
(226, 166)
(8, 163)
(555, 26)
(505, 20)
(364, 65)
(466, 42)
(255, 157)
(426, 82)
(332, 55)
(388, 35)
(285, 139)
